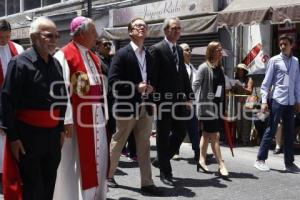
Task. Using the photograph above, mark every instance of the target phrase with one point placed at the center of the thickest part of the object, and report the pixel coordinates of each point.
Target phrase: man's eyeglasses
(49, 35)
(187, 50)
(107, 44)
(140, 26)
(175, 28)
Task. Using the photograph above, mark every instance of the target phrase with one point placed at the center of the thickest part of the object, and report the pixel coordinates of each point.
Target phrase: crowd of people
(67, 115)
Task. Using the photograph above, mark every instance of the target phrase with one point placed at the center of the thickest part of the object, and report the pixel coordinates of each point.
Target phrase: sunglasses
(187, 50)
(107, 44)
(49, 35)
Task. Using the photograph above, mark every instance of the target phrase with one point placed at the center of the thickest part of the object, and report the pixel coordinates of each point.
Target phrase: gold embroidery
(80, 83)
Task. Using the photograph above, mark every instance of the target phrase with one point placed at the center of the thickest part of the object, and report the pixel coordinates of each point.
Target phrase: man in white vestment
(83, 169)
(8, 49)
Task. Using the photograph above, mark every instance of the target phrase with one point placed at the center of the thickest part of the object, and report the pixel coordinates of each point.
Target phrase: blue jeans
(277, 112)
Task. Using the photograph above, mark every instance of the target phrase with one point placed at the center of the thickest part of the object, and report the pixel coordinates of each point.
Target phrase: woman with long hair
(209, 88)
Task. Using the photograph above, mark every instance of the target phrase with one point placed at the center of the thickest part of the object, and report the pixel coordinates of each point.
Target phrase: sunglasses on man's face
(49, 35)
(107, 44)
(187, 50)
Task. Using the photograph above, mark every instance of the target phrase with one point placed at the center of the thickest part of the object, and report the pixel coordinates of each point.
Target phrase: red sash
(12, 188)
(13, 52)
(85, 135)
(12, 183)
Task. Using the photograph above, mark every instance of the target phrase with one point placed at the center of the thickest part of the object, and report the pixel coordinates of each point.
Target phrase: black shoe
(112, 183)
(151, 190)
(155, 163)
(199, 166)
(167, 180)
(277, 151)
(292, 168)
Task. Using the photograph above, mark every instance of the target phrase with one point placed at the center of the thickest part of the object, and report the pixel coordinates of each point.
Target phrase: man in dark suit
(130, 78)
(174, 94)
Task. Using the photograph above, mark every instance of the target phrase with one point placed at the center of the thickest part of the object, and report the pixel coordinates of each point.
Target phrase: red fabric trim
(85, 135)
(13, 52)
(12, 182)
(39, 118)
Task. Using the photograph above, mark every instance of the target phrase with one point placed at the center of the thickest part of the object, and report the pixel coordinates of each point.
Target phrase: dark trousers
(168, 144)
(285, 113)
(39, 165)
(194, 131)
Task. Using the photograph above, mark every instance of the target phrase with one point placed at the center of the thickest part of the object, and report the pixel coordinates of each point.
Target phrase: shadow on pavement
(168, 192)
(120, 172)
(241, 175)
(189, 182)
(128, 164)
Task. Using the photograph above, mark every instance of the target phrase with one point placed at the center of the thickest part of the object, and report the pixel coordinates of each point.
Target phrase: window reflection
(49, 2)
(31, 4)
(13, 6)
(2, 8)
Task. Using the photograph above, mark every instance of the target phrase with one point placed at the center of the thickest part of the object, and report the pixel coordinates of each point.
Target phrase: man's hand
(149, 89)
(17, 148)
(264, 107)
(189, 105)
(142, 87)
(68, 130)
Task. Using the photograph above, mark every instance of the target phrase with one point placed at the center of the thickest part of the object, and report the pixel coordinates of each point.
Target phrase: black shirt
(31, 83)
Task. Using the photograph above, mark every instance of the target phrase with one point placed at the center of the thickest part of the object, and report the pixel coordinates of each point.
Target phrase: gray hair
(83, 27)
(167, 22)
(184, 45)
(37, 23)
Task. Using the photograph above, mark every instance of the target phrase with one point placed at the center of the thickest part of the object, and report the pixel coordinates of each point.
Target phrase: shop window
(49, 2)
(13, 6)
(2, 9)
(31, 4)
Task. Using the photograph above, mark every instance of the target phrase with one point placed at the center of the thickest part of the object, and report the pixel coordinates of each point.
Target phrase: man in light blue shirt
(284, 77)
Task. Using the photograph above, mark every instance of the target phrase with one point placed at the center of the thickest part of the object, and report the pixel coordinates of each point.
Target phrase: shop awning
(289, 12)
(241, 12)
(198, 25)
(245, 12)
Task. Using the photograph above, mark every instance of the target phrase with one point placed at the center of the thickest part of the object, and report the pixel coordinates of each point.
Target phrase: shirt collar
(284, 56)
(169, 43)
(4, 46)
(81, 48)
(34, 55)
(135, 47)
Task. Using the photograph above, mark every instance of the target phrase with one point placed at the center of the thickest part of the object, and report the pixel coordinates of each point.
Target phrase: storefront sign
(163, 9)
(20, 33)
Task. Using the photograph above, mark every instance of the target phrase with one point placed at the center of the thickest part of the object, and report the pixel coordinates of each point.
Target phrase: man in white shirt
(8, 49)
(130, 77)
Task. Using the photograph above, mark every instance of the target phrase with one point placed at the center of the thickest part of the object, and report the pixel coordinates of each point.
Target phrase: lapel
(168, 51)
(148, 65)
(170, 57)
(134, 61)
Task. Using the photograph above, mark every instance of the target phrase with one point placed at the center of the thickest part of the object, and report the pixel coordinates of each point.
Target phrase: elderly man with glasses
(33, 99)
(83, 170)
